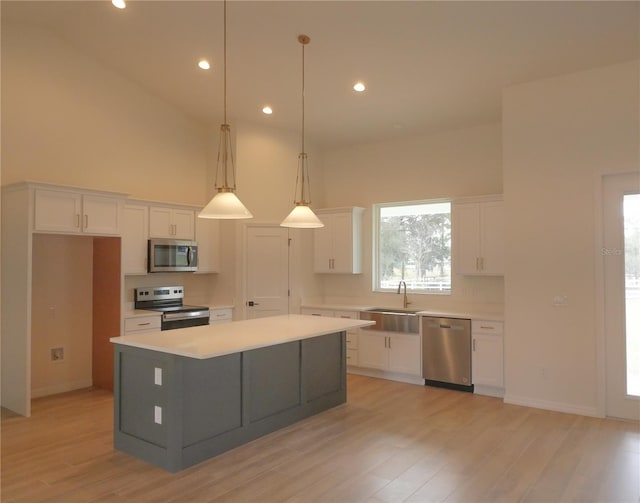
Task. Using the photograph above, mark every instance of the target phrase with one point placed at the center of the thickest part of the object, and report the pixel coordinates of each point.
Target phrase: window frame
(375, 241)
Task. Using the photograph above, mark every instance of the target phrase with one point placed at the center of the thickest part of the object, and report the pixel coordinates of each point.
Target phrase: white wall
(560, 136)
(449, 164)
(61, 313)
(67, 119)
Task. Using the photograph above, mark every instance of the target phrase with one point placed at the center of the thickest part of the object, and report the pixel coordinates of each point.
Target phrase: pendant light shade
(225, 204)
(302, 216)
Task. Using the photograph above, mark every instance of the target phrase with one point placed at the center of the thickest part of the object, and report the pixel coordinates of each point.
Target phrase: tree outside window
(414, 245)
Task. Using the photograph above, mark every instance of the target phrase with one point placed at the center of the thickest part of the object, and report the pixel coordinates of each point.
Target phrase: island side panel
(212, 398)
(135, 430)
(324, 375)
(273, 381)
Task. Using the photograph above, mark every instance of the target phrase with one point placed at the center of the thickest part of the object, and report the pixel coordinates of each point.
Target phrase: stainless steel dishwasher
(446, 352)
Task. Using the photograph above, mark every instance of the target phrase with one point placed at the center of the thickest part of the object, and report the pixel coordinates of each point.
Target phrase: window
(413, 243)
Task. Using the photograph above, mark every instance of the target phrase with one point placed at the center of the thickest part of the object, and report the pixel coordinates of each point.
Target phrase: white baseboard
(60, 388)
(382, 374)
(554, 406)
(479, 389)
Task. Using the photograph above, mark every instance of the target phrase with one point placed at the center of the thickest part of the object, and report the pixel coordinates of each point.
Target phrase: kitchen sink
(392, 320)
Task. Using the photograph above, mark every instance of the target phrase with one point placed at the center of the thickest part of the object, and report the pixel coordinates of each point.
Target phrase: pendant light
(302, 216)
(225, 204)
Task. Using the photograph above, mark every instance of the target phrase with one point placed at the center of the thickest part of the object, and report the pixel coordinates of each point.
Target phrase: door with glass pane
(621, 256)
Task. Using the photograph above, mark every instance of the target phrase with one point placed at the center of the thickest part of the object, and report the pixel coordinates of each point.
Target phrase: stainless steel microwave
(172, 255)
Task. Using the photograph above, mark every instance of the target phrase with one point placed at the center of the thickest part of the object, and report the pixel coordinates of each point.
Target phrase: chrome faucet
(405, 301)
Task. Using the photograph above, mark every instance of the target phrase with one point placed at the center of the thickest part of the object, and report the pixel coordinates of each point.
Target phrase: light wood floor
(391, 442)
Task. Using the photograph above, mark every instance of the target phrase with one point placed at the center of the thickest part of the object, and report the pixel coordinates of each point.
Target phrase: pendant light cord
(224, 60)
(303, 44)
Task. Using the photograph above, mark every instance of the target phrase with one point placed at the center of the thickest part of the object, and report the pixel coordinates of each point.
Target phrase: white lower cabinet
(390, 352)
(487, 359)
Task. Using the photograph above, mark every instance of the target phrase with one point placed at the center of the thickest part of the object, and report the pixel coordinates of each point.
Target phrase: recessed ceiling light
(120, 4)
(359, 86)
(267, 110)
(204, 64)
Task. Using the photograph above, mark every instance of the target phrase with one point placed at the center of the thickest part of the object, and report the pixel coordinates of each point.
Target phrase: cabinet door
(323, 246)
(486, 360)
(372, 351)
(160, 224)
(404, 354)
(183, 224)
(58, 211)
(101, 215)
(492, 238)
(466, 230)
(342, 243)
(135, 225)
(207, 236)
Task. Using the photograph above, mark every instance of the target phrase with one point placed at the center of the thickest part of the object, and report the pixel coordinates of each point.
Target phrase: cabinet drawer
(351, 315)
(220, 315)
(487, 327)
(352, 340)
(142, 323)
(352, 357)
(316, 312)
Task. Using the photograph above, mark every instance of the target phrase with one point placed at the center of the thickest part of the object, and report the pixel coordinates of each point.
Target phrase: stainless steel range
(168, 300)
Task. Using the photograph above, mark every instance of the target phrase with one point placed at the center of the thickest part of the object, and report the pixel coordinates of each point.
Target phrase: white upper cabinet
(173, 223)
(478, 237)
(338, 245)
(208, 238)
(75, 212)
(135, 233)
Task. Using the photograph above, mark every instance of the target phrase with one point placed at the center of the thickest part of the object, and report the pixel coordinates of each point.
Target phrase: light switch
(157, 378)
(157, 413)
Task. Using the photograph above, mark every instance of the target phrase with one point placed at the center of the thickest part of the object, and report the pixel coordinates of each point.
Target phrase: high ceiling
(428, 65)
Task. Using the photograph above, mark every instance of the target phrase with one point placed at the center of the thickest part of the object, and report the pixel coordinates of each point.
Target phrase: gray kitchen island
(182, 396)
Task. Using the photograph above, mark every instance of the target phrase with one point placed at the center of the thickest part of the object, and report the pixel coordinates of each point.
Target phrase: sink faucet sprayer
(405, 301)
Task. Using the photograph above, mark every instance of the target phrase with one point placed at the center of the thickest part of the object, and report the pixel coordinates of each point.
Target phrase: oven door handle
(186, 315)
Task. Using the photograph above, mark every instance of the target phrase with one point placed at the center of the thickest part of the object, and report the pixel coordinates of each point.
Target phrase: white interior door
(621, 256)
(267, 271)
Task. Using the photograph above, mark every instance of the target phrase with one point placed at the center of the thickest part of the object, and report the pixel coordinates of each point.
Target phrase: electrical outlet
(57, 354)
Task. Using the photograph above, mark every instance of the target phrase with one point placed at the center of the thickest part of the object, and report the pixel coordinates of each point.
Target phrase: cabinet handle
(487, 328)
(143, 324)
(77, 219)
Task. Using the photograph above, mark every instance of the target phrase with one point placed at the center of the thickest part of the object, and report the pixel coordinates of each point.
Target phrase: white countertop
(208, 341)
(473, 313)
